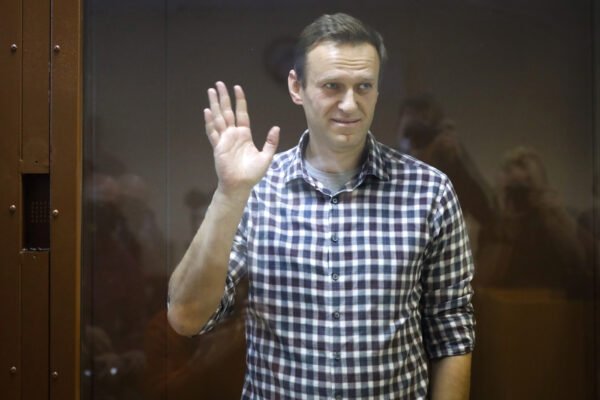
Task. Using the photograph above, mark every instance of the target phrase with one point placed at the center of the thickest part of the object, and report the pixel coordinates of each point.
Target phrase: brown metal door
(39, 199)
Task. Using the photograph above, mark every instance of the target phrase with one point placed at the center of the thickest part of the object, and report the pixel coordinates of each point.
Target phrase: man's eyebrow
(327, 78)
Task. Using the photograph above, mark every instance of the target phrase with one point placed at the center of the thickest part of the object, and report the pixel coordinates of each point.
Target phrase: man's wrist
(230, 200)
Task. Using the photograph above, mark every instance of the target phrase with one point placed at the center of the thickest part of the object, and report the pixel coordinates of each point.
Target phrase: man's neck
(333, 162)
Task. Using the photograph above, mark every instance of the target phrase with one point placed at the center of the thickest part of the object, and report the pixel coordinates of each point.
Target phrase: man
(357, 255)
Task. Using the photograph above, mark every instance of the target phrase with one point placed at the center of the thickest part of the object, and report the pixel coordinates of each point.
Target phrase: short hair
(339, 28)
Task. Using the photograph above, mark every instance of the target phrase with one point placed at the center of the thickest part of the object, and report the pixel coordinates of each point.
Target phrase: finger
(225, 103)
(241, 111)
(271, 143)
(215, 108)
(211, 132)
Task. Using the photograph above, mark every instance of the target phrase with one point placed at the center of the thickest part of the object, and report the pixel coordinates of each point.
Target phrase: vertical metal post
(65, 198)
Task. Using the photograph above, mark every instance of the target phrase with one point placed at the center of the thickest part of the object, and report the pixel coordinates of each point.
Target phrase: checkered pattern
(351, 292)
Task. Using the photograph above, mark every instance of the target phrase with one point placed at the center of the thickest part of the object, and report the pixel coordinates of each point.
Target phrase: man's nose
(348, 102)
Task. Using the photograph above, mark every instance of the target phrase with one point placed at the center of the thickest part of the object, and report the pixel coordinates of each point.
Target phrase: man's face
(340, 94)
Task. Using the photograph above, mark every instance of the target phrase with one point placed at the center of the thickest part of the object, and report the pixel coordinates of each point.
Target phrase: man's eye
(365, 86)
(330, 85)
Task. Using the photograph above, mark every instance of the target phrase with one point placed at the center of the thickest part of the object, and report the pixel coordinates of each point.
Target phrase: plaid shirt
(351, 292)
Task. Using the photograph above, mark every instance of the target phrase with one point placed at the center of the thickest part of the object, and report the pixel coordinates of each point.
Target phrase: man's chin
(357, 131)
(349, 137)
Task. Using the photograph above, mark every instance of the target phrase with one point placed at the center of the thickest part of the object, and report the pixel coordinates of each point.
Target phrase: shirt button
(338, 397)
(334, 200)
(336, 315)
(337, 356)
(335, 277)
(334, 238)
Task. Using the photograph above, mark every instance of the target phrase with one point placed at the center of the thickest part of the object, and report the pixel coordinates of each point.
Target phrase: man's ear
(294, 87)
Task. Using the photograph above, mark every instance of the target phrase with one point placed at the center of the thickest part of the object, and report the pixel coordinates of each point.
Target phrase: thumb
(271, 143)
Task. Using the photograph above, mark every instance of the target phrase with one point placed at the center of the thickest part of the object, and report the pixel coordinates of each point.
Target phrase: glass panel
(495, 94)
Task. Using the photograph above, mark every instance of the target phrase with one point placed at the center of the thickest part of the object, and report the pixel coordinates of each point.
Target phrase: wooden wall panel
(10, 115)
(65, 189)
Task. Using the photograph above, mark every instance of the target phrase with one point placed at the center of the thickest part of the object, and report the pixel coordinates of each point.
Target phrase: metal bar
(11, 58)
(34, 317)
(36, 84)
(65, 199)
(595, 23)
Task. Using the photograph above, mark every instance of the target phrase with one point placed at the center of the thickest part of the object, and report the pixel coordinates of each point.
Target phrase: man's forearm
(450, 378)
(196, 285)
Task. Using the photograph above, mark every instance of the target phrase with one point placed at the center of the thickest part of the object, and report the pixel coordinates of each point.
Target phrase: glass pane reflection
(495, 95)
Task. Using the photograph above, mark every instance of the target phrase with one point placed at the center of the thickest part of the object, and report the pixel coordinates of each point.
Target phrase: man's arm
(448, 322)
(450, 378)
(197, 283)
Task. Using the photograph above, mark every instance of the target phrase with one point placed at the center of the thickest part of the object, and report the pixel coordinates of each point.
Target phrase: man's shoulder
(281, 166)
(283, 159)
(399, 164)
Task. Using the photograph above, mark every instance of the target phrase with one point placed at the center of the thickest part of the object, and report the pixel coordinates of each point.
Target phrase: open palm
(239, 164)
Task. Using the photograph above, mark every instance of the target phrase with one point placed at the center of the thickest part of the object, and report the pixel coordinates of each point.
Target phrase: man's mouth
(345, 121)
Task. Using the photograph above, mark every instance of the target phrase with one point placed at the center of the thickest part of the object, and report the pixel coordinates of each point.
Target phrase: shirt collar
(373, 164)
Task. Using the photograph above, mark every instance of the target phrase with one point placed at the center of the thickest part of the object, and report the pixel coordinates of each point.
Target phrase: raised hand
(239, 164)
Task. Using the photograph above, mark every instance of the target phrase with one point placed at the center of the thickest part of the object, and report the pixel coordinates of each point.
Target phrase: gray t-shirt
(333, 182)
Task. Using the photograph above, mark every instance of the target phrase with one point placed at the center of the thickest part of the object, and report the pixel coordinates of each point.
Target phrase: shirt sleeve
(237, 270)
(448, 320)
